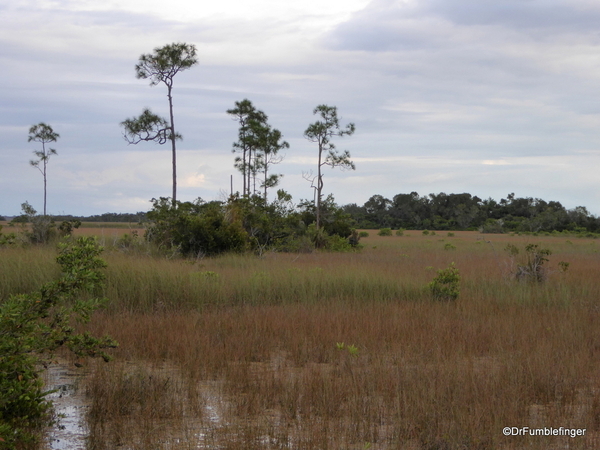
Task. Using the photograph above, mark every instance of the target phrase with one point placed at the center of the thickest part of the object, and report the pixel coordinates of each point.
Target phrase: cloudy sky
(481, 96)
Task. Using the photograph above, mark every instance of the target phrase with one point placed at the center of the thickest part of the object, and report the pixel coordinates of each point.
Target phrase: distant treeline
(106, 217)
(436, 212)
(466, 212)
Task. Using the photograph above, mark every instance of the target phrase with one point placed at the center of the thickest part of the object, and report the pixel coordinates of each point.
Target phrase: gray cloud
(483, 97)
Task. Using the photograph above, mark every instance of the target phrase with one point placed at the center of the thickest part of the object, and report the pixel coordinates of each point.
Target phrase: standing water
(70, 431)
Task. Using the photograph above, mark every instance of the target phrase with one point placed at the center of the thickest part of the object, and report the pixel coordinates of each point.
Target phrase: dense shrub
(41, 322)
(196, 228)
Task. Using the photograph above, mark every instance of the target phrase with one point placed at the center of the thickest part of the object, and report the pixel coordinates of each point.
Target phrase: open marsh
(342, 350)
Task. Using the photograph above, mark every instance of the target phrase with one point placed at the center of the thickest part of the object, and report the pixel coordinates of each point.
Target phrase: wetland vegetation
(340, 350)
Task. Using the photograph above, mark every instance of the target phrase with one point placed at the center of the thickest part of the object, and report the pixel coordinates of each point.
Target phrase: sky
(488, 97)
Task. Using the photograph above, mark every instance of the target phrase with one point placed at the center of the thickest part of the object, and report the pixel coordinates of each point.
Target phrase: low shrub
(446, 285)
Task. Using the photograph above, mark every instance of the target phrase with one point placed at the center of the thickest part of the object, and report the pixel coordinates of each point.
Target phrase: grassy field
(342, 350)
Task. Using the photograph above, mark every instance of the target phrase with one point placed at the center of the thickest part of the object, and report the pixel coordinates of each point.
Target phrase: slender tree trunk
(44, 173)
(244, 168)
(169, 87)
(266, 168)
(248, 169)
(319, 185)
(254, 176)
(45, 184)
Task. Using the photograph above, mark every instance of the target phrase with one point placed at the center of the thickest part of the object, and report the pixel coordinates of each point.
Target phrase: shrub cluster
(241, 224)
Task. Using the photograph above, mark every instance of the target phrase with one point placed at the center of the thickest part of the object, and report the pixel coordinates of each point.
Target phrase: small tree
(322, 132)
(269, 155)
(44, 134)
(252, 123)
(161, 67)
(259, 144)
(531, 267)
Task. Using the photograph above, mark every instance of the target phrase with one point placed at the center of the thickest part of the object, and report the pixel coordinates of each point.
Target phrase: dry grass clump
(140, 407)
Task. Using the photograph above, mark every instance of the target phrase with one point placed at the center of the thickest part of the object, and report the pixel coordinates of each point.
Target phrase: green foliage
(492, 226)
(129, 242)
(531, 266)
(32, 325)
(196, 229)
(425, 232)
(353, 350)
(66, 227)
(268, 225)
(450, 234)
(7, 239)
(446, 285)
(147, 127)
(400, 232)
(337, 243)
(363, 234)
(466, 212)
(334, 220)
(252, 223)
(259, 145)
(563, 266)
(449, 246)
(385, 232)
(162, 65)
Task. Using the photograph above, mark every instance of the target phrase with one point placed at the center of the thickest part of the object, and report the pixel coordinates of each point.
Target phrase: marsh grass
(239, 352)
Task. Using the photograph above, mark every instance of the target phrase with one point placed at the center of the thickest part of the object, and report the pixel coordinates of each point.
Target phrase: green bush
(7, 239)
(363, 234)
(400, 232)
(32, 325)
(195, 229)
(385, 232)
(492, 226)
(337, 243)
(446, 285)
